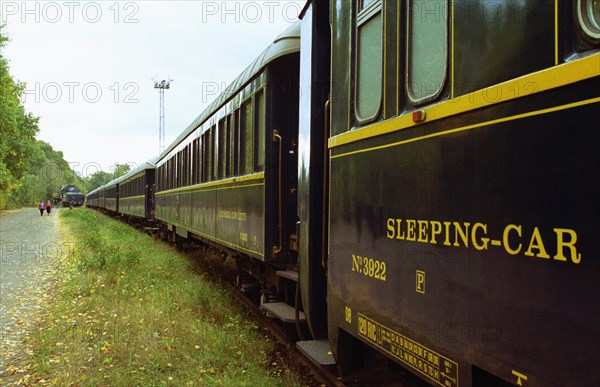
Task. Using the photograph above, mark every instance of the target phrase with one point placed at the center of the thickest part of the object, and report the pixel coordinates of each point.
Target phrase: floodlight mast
(162, 86)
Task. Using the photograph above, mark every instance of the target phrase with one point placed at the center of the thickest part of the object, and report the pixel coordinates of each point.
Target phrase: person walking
(48, 207)
(41, 208)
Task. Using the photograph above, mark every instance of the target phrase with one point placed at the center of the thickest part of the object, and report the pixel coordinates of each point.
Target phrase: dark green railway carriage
(102, 197)
(462, 200)
(111, 196)
(229, 177)
(92, 198)
(136, 191)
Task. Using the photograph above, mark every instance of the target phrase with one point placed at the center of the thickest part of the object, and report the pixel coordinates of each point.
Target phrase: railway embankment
(123, 309)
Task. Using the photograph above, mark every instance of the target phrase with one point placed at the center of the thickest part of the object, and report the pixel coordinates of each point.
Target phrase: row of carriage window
(234, 146)
(133, 187)
(427, 47)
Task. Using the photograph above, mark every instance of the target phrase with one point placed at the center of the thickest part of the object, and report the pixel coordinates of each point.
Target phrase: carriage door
(313, 164)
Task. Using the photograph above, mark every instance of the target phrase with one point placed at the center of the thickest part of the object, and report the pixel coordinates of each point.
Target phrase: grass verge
(132, 311)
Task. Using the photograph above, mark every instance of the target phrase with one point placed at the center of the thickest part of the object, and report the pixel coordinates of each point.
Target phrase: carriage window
(261, 130)
(188, 165)
(213, 150)
(168, 175)
(221, 146)
(179, 168)
(182, 168)
(247, 143)
(230, 145)
(200, 159)
(205, 169)
(193, 162)
(211, 154)
(369, 60)
(173, 171)
(588, 13)
(161, 174)
(235, 153)
(427, 49)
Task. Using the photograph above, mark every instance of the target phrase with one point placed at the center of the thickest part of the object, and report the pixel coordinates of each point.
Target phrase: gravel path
(29, 253)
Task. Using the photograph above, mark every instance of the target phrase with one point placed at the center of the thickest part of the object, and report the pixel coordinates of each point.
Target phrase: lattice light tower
(162, 86)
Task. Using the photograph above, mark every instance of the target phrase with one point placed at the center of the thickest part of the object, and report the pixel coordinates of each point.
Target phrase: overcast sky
(89, 67)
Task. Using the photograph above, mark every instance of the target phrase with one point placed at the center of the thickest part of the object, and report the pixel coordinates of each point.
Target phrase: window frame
(362, 17)
(260, 147)
(221, 148)
(247, 165)
(430, 97)
(583, 19)
(237, 147)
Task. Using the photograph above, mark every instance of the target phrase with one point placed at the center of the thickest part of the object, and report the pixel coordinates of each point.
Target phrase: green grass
(133, 311)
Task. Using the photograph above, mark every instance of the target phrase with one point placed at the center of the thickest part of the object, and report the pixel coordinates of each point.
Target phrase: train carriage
(111, 196)
(136, 192)
(229, 177)
(107, 196)
(461, 217)
(102, 197)
(92, 198)
(422, 172)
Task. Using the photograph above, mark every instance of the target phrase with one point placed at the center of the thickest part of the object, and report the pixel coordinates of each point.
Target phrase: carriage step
(288, 274)
(319, 351)
(283, 311)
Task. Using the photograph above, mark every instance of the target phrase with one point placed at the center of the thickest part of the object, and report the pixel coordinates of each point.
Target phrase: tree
(120, 170)
(17, 130)
(98, 179)
(46, 171)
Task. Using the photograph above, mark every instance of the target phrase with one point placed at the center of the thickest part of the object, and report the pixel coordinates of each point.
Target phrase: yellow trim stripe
(213, 184)
(221, 241)
(475, 126)
(538, 82)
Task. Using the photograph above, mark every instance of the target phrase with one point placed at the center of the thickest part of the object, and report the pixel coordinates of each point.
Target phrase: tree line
(30, 169)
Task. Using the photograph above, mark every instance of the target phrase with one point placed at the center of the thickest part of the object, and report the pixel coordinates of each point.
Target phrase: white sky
(89, 67)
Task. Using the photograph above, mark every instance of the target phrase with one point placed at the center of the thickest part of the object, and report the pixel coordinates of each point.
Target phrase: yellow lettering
(436, 229)
(356, 262)
(536, 243)
(485, 241)
(561, 244)
(463, 234)
(391, 230)
(399, 235)
(520, 377)
(410, 232)
(422, 231)
(507, 246)
(460, 234)
(421, 281)
(447, 227)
